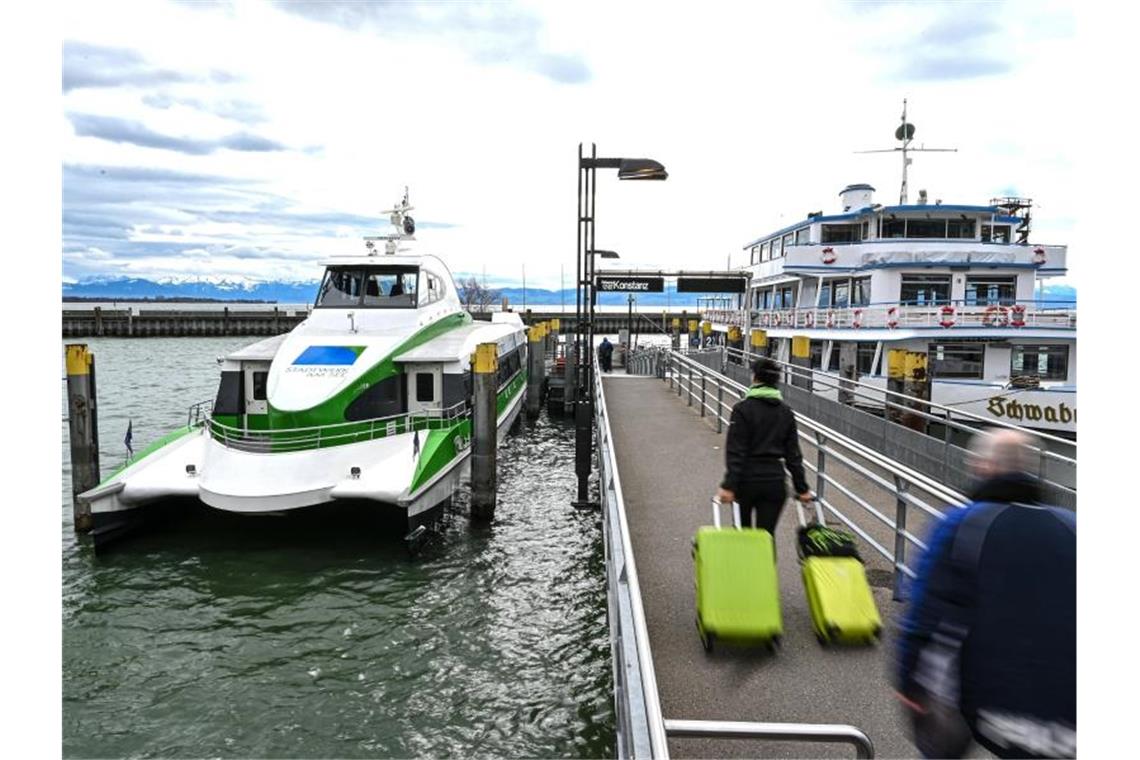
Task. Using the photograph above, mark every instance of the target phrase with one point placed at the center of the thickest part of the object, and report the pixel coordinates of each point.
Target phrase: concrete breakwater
(136, 322)
(145, 323)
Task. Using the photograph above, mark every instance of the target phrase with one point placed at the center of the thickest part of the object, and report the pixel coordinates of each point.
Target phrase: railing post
(719, 404)
(900, 538)
(702, 394)
(820, 465)
(689, 395)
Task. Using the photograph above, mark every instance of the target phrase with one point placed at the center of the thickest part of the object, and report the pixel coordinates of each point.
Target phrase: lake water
(232, 636)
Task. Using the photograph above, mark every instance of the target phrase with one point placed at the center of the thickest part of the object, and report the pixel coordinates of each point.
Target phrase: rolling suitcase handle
(818, 511)
(716, 512)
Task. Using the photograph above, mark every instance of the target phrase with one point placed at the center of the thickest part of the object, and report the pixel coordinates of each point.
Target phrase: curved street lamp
(627, 168)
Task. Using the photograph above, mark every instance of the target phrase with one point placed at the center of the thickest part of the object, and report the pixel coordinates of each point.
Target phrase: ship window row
(888, 228)
(841, 293)
(1042, 362)
(779, 297)
(957, 360)
(509, 366)
(388, 287)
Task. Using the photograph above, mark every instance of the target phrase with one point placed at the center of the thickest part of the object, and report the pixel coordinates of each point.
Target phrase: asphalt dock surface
(671, 462)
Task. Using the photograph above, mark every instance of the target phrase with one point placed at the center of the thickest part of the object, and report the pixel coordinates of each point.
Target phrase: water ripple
(222, 640)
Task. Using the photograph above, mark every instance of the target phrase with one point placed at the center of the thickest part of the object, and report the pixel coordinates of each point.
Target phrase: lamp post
(585, 253)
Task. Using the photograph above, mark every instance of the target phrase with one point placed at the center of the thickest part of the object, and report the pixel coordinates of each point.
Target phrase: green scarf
(763, 391)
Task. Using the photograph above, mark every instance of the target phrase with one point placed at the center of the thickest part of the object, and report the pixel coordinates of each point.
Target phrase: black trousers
(761, 503)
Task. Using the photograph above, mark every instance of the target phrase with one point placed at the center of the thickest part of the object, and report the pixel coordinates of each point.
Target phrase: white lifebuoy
(995, 316)
(857, 318)
(1017, 317)
(947, 316)
(1038, 255)
(809, 319)
(893, 317)
(830, 318)
(827, 255)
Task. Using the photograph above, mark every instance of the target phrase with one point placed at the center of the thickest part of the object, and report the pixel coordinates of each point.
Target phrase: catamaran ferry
(958, 283)
(367, 399)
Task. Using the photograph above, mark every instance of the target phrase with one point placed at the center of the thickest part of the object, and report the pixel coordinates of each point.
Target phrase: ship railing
(199, 414)
(1008, 314)
(280, 440)
(1056, 457)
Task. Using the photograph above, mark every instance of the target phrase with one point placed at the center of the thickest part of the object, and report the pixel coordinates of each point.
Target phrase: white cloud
(755, 109)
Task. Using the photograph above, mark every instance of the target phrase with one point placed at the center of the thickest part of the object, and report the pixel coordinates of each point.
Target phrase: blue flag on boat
(127, 439)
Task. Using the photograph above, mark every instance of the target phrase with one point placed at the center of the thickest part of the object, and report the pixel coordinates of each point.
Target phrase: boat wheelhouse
(959, 283)
(367, 399)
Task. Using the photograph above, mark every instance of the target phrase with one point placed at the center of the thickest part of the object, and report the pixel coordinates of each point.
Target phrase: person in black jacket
(761, 433)
(988, 648)
(606, 355)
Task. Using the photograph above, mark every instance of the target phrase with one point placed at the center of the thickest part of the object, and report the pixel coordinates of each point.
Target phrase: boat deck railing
(280, 440)
(1007, 314)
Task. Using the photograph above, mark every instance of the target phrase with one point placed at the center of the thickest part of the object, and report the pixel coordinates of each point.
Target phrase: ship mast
(403, 223)
(905, 134)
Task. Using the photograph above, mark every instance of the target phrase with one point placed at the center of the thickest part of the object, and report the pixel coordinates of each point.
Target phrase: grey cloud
(250, 143)
(233, 109)
(86, 65)
(123, 131)
(488, 32)
(104, 207)
(940, 67)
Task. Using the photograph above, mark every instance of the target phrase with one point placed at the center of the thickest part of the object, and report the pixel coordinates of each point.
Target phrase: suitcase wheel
(821, 639)
(706, 637)
(773, 644)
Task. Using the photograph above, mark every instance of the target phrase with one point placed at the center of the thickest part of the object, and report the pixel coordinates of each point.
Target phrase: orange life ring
(857, 318)
(893, 317)
(827, 255)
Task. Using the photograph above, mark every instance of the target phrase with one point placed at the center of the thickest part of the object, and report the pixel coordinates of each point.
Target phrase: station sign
(710, 284)
(630, 284)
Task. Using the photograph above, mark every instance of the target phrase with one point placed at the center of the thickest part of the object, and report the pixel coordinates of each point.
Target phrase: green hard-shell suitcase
(842, 607)
(738, 597)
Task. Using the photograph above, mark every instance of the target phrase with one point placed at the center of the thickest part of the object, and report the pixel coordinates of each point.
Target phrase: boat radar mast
(404, 224)
(905, 133)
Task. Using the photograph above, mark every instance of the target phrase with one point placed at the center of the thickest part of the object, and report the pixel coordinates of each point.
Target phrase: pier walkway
(663, 460)
(671, 461)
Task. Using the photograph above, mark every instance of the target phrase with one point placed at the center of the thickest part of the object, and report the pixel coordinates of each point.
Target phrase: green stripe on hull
(438, 451)
(169, 438)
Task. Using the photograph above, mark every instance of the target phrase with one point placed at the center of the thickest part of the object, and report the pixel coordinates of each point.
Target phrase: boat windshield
(376, 287)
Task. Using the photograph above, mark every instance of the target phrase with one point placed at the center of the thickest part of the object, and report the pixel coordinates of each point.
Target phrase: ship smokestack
(855, 197)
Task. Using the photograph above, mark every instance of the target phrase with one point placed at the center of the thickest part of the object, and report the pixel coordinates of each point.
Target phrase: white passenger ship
(957, 282)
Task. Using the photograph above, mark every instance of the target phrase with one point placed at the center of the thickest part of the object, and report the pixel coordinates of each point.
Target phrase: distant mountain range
(126, 289)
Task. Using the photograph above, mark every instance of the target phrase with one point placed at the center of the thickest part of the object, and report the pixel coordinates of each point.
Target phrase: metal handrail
(809, 732)
(822, 377)
(608, 465)
(690, 374)
(303, 438)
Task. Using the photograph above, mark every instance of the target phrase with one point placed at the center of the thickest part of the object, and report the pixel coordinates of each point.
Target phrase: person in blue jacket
(988, 647)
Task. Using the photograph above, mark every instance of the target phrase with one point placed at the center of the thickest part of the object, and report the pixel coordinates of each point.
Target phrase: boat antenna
(905, 134)
(403, 223)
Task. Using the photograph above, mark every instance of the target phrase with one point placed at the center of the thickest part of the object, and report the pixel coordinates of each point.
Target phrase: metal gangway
(883, 502)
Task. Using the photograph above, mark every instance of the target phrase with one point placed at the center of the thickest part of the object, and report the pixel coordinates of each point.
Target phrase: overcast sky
(246, 140)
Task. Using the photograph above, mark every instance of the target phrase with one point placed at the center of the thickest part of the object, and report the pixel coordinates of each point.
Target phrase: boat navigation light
(355, 473)
(191, 470)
